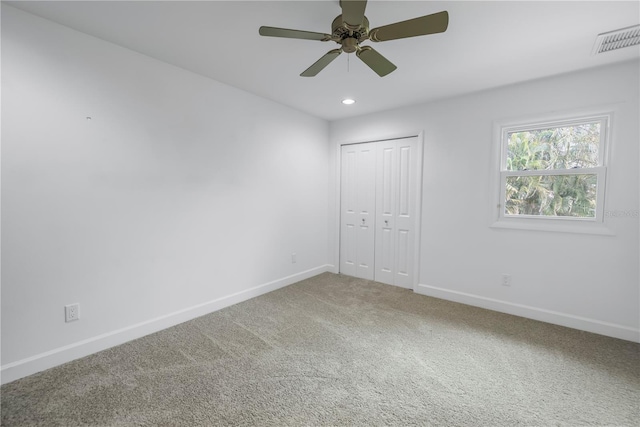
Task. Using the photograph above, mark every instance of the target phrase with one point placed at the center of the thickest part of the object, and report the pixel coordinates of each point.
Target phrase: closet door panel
(386, 209)
(408, 175)
(357, 210)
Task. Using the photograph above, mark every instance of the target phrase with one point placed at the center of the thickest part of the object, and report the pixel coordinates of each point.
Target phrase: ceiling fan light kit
(352, 28)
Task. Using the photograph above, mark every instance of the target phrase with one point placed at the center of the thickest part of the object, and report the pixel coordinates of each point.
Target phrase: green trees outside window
(552, 195)
(553, 171)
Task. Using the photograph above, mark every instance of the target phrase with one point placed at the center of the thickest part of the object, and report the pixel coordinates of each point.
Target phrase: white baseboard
(40, 362)
(548, 316)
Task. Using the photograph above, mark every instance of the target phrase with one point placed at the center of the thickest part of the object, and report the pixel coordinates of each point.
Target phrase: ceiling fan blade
(321, 63)
(429, 24)
(378, 63)
(353, 12)
(293, 34)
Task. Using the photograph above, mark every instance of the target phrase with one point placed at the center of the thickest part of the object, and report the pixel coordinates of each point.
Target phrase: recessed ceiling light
(348, 101)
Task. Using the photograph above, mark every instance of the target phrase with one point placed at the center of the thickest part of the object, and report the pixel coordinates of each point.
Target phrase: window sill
(550, 225)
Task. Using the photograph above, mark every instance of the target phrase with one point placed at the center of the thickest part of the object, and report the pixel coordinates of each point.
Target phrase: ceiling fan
(352, 28)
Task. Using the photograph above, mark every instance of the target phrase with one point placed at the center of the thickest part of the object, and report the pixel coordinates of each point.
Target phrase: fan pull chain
(348, 61)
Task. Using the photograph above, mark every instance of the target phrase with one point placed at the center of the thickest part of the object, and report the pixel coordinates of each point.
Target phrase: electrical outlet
(71, 312)
(506, 280)
(293, 258)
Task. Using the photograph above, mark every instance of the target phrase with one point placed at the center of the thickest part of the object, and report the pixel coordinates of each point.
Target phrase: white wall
(580, 280)
(179, 196)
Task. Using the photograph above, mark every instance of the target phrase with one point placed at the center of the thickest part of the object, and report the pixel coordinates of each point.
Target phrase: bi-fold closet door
(378, 207)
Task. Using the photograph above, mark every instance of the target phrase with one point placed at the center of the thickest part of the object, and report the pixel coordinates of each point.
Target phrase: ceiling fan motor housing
(349, 36)
(349, 45)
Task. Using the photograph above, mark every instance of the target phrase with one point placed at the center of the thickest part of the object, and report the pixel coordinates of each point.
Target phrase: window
(553, 170)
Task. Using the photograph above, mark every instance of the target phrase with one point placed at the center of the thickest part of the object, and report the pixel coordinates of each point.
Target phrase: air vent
(617, 39)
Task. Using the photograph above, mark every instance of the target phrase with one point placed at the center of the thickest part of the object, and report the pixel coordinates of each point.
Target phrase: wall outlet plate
(506, 280)
(71, 312)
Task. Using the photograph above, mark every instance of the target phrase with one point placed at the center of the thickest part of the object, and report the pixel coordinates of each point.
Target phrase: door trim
(338, 162)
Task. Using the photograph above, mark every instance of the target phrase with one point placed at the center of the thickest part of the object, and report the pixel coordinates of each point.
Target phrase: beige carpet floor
(339, 351)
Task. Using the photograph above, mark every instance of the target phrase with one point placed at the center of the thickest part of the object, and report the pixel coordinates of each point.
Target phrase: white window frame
(593, 225)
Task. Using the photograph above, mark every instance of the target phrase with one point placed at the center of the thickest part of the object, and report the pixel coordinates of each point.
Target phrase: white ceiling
(487, 44)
